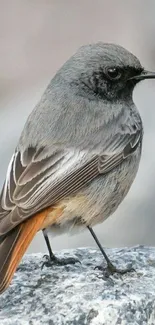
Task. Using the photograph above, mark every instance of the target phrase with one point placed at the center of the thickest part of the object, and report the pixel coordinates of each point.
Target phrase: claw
(64, 261)
(111, 269)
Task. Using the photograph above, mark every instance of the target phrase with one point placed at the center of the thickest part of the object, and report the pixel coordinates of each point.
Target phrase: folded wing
(39, 177)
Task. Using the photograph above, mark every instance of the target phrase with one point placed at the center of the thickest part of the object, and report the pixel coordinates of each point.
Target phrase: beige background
(36, 37)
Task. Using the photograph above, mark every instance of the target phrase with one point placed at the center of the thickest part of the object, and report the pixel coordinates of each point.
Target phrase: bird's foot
(50, 261)
(111, 269)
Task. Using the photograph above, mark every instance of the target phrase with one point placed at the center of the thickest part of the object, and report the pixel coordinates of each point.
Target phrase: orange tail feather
(14, 246)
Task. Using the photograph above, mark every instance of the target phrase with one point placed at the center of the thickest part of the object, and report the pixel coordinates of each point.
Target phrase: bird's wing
(39, 177)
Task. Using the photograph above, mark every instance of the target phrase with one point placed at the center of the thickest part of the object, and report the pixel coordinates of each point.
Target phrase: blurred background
(36, 37)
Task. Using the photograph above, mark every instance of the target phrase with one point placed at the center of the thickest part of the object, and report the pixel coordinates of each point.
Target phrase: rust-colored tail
(14, 245)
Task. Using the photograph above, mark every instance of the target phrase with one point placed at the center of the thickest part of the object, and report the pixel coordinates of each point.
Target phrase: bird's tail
(14, 245)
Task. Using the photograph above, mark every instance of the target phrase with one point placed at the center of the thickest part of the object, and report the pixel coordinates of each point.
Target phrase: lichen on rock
(79, 294)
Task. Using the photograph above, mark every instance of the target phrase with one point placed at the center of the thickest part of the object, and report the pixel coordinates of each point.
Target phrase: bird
(77, 156)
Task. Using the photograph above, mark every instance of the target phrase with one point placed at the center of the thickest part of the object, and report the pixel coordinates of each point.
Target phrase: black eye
(113, 73)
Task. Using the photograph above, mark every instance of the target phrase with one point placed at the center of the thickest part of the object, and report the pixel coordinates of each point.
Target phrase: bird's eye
(113, 73)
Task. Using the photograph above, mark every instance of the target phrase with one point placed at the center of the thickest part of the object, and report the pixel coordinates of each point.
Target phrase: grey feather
(83, 128)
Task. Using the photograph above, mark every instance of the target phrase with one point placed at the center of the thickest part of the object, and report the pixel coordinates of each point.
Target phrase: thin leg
(51, 255)
(110, 267)
(51, 259)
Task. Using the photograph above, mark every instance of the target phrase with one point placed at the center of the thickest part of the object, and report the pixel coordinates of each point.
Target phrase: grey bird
(77, 156)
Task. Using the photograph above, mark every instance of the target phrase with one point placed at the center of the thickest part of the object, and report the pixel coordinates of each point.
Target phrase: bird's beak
(144, 75)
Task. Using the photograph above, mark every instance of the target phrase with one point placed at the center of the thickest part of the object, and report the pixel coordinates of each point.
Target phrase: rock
(78, 294)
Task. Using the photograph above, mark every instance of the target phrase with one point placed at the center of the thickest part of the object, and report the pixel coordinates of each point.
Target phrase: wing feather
(40, 177)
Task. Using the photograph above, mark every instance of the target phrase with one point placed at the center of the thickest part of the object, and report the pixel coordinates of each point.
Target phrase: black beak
(144, 75)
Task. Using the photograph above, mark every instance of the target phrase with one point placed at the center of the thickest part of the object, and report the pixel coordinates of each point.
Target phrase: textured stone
(80, 295)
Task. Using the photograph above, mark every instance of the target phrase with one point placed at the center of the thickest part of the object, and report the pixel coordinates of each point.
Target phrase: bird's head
(105, 71)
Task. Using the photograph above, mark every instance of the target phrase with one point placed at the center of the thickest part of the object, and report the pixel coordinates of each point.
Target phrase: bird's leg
(110, 269)
(51, 254)
(51, 259)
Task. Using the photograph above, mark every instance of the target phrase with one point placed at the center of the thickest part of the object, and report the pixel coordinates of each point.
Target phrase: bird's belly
(96, 202)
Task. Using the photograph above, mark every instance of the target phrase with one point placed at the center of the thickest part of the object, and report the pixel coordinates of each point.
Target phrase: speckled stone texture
(78, 294)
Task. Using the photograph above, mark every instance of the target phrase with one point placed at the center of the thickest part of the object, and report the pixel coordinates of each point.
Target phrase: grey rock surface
(78, 294)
